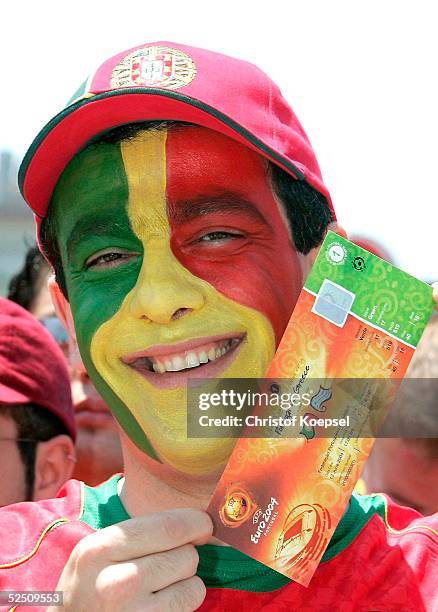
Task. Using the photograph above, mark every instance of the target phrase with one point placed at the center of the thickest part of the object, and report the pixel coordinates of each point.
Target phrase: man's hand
(146, 563)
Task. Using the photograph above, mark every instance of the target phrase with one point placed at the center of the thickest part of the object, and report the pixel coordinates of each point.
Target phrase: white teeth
(192, 360)
(178, 363)
(159, 367)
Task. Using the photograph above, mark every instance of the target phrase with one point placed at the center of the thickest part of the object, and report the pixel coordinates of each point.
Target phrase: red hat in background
(32, 366)
(169, 81)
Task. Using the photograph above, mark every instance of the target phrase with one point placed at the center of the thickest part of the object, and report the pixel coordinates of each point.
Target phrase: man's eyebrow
(187, 210)
(89, 225)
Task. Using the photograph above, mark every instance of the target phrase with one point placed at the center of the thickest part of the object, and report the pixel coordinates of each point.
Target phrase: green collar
(223, 566)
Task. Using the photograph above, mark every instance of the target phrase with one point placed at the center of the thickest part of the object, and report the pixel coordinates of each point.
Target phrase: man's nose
(165, 291)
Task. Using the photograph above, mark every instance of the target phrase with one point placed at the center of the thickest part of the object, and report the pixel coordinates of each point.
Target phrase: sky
(361, 76)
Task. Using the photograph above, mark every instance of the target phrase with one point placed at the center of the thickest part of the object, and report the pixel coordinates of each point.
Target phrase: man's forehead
(200, 146)
(200, 164)
(98, 169)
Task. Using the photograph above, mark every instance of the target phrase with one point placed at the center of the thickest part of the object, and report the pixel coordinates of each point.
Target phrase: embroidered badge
(154, 66)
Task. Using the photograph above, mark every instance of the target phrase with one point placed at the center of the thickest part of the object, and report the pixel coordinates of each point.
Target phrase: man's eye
(108, 260)
(218, 236)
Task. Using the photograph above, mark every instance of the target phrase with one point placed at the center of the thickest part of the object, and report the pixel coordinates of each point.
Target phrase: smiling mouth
(184, 356)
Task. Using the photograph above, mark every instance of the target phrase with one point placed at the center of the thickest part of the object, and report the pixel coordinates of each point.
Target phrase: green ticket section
(347, 278)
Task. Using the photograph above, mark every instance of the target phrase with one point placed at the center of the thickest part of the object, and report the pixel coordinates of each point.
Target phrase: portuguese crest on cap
(154, 66)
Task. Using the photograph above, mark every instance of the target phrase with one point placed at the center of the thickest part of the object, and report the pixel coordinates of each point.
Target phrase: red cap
(32, 366)
(169, 81)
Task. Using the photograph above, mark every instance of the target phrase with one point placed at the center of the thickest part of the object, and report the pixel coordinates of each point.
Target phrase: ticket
(356, 323)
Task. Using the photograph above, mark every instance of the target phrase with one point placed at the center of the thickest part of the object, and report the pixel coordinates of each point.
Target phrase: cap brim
(73, 128)
(11, 396)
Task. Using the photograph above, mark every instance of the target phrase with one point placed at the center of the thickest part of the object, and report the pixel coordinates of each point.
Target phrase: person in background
(406, 468)
(98, 450)
(37, 428)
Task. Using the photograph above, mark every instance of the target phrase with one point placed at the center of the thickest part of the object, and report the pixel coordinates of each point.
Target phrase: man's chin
(206, 461)
(205, 472)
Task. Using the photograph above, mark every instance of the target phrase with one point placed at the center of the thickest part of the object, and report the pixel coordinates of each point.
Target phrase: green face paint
(89, 212)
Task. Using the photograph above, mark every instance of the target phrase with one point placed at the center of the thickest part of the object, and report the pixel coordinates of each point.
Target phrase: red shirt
(383, 557)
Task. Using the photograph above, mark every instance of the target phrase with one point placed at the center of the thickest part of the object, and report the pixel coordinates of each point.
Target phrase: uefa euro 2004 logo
(237, 508)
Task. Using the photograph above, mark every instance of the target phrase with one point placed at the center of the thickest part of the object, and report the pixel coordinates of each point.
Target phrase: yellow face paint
(169, 305)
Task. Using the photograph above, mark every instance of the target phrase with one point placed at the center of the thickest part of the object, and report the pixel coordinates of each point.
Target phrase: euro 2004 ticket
(358, 320)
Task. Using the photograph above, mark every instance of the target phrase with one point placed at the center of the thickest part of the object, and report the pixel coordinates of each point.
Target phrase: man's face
(12, 473)
(179, 264)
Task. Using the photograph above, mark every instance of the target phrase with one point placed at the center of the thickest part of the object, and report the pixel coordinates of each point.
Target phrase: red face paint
(226, 226)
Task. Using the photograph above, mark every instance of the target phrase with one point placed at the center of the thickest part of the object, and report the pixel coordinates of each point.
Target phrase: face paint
(89, 215)
(178, 264)
(215, 184)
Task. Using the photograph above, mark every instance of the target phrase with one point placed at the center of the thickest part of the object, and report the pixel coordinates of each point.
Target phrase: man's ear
(62, 307)
(338, 229)
(54, 464)
(307, 260)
